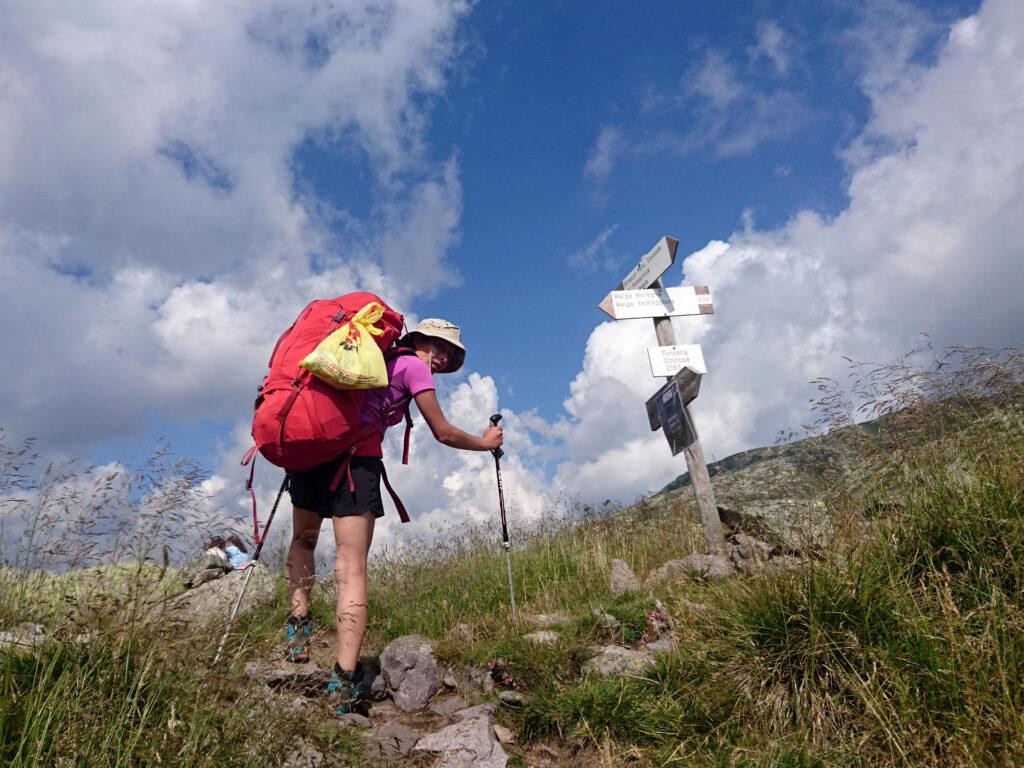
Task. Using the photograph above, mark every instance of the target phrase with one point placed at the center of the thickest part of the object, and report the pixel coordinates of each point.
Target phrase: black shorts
(311, 489)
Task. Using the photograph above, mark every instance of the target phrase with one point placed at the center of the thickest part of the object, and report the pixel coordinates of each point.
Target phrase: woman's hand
(493, 437)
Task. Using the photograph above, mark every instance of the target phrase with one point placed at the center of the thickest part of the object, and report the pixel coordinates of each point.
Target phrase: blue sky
(181, 180)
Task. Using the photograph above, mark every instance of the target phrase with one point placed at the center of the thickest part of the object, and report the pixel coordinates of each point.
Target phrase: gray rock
(391, 742)
(212, 602)
(547, 620)
(309, 677)
(503, 734)
(789, 526)
(720, 567)
(304, 755)
(480, 710)
(749, 548)
(473, 681)
(385, 710)
(605, 620)
(354, 720)
(378, 688)
(623, 579)
(448, 706)
(662, 644)
(23, 637)
(695, 607)
(512, 698)
(614, 660)
(469, 743)
(462, 632)
(449, 680)
(544, 637)
(410, 672)
(691, 565)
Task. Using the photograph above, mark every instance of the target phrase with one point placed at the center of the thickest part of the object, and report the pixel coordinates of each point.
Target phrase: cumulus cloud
(932, 241)
(154, 232)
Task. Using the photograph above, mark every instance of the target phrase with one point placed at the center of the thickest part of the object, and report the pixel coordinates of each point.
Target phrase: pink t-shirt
(408, 376)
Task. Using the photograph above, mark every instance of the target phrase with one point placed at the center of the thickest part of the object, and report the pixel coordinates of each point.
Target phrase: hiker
(211, 565)
(435, 347)
(237, 553)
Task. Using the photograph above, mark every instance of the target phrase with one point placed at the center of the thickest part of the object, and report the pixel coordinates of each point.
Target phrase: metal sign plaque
(659, 302)
(668, 361)
(683, 389)
(653, 265)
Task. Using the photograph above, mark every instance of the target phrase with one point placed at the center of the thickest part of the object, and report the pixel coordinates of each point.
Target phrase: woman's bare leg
(301, 567)
(352, 538)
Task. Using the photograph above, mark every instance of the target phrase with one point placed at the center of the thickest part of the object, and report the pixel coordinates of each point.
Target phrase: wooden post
(700, 481)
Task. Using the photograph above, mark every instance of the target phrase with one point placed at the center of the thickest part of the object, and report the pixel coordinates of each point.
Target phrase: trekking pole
(498, 453)
(248, 576)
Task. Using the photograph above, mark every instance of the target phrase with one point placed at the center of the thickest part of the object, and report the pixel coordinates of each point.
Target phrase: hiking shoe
(346, 690)
(299, 631)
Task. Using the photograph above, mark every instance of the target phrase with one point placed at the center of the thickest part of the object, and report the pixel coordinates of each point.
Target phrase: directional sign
(653, 265)
(668, 361)
(685, 385)
(659, 302)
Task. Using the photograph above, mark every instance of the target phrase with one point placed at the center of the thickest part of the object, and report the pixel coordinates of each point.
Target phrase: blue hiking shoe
(345, 691)
(299, 631)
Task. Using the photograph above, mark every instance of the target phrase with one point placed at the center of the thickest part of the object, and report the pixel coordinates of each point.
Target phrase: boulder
(470, 681)
(410, 672)
(391, 742)
(623, 579)
(212, 602)
(480, 710)
(303, 755)
(789, 526)
(605, 620)
(696, 565)
(613, 660)
(354, 720)
(470, 743)
(23, 638)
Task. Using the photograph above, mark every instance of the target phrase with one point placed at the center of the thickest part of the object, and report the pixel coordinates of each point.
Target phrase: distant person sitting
(211, 565)
(238, 554)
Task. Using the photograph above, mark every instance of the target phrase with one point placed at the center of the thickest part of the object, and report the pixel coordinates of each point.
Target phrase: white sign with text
(659, 302)
(668, 361)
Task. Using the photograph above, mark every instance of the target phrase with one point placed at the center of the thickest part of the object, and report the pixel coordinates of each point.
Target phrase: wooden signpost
(683, 366)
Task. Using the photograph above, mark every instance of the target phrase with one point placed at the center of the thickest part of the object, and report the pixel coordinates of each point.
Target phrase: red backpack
(300, 421)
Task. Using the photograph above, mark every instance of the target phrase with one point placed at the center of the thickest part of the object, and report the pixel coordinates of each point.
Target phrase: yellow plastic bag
(349, 358)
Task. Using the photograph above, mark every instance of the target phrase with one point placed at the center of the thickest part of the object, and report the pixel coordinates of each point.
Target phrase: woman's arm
(449, 434)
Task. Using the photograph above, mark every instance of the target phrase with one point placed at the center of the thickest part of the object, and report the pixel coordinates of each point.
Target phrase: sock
(357, 672)
(297, 621)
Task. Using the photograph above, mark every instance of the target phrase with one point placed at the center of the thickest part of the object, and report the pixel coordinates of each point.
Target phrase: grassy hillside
(901, 644)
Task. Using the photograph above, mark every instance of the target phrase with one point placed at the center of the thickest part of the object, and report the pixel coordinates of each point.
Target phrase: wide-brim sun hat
(436, 328)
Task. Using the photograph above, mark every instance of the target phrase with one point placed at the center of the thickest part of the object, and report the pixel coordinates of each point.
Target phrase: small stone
(480, 710)
(623, 579)
(695, 607)
(691, 565)
(545, 751)
(308, 677)
(662, 644)
(512, 698)
(449, 680)
(354, 720)
(448, 706)
(462, 632)
(378, 688)
(384, 710)
(23, 637)
(547, 620)
(304, 755)
(503, 734)
(605, 620)
(299, 702)
(612, 660)
(544, 637)
(391, 742)
(473, 681)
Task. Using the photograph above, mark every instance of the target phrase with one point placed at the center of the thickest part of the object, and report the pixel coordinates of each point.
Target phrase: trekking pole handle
(495, 418)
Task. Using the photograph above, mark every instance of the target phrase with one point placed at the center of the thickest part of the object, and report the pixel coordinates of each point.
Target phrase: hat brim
(460, 351)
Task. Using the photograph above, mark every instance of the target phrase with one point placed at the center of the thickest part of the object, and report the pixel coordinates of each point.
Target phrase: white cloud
(595, 253)
(772, 44)
(154, 235)
(931, 241)
(607, 149)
